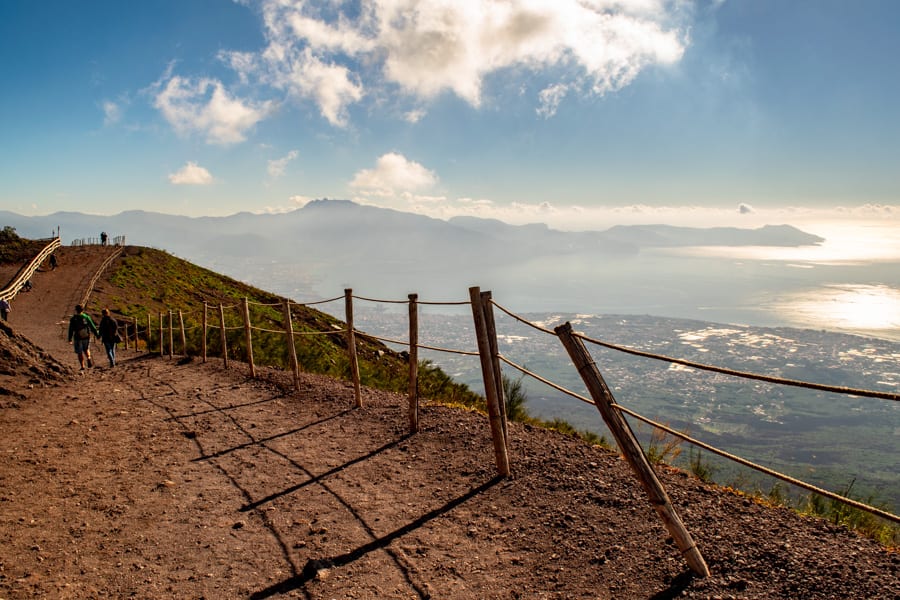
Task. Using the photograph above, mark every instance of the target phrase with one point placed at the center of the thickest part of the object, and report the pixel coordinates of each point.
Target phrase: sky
(582, 114)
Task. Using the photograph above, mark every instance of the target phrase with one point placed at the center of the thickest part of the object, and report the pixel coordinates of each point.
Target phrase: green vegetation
(14, 249)
(839, 513)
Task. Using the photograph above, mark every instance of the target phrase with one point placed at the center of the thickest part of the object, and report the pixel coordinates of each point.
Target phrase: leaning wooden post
(203, 335)
(289, 339)
(222, 335)
(248, 335)
(183, 336)
(137, 337)
(162, 346)
(495, 358)
(490, 384)
(413, 363)
(171, 335)
(351, 346)
(618, 426)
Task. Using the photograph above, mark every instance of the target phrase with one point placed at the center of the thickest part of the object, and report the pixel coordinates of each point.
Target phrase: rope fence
(482, 305)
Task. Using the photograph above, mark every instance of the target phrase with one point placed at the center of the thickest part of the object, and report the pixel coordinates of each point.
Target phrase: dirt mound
(174, 478)
(23, 366)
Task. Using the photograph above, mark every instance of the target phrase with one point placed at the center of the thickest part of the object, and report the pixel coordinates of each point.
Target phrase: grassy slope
(145, 280)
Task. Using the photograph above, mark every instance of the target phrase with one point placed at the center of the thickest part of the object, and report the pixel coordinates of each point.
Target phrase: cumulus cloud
(393, 176)
(204, 106)
(191, 174)
(276, 167)
(334, 55)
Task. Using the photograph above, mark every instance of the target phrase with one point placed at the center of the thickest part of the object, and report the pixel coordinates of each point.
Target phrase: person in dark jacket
(109, 334)
(81, 326)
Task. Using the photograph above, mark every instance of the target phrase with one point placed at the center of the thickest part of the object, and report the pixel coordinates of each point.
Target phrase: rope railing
(28, 271)
(745, 375)
(722, 453)
(335, 299)
(380, 301)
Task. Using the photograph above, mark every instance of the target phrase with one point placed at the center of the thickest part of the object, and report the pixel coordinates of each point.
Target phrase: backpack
(83, 332)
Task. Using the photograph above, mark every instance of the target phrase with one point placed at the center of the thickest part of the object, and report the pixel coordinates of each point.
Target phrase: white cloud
(112, 113)
(550, 97)
(276, 167)
(205, 106)
(191, 174)
(424, 48)
(392, 176)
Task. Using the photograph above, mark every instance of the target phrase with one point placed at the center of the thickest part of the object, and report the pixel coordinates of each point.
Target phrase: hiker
(103, 238)
(109, 334)
(4, 309)
(80, 328)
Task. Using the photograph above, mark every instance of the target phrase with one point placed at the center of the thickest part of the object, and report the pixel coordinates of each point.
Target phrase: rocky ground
(170, 478)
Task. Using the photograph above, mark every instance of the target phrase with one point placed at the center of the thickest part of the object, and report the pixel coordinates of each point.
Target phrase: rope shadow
(312, 567)
(322, 476)
(262, 441)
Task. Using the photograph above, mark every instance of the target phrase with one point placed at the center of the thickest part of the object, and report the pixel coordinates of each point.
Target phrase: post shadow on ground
(313, 566)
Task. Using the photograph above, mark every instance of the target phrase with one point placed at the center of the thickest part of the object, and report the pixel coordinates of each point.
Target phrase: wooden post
(137, 337)
(224, 338)
(292, 350)
(413, 363)
(495, 359)
(203, 335)
(162, 346)
(631, 450)
(351, 346)
(149, 332)
(124, 337)
(171, 335)
(249, 337)
(183, 336)
(490, 384)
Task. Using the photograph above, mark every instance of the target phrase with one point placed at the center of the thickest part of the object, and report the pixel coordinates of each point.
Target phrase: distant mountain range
(344, 228)
(337, 243)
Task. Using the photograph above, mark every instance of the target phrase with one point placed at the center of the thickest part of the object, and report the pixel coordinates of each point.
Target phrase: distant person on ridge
(103, 238)
(81, 326)
(4, 309)
(109, 334)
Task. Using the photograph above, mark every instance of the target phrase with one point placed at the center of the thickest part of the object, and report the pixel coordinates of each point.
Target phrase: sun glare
(851, 307)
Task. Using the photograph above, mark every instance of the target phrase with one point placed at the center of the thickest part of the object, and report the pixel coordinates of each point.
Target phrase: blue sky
(579, 113)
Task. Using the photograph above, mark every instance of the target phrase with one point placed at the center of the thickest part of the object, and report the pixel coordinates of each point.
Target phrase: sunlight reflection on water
(869, 307)
(874, 308)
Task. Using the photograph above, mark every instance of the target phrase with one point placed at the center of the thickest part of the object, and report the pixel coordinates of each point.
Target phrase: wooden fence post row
(630, 448)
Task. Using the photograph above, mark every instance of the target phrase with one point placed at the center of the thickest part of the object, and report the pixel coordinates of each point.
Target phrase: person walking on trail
(109, 334)
(4, 309)
(103, 238)
(81, 326)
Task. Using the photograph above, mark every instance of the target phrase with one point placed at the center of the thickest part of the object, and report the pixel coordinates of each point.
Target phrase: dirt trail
(167, 478)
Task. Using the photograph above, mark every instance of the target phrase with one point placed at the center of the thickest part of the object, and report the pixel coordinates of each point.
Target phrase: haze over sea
(849, 283)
